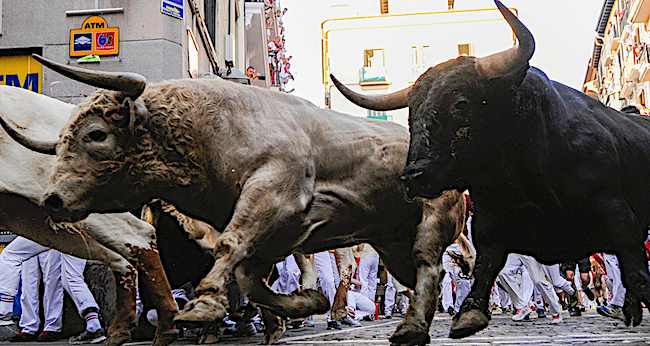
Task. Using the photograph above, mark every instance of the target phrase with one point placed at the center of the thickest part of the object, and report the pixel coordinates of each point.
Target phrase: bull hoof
(410, 334)
(272, 335)
(118, 338)
(165, 338)
(201, 309)
(632, 310)
(339, 314)
(468, 323)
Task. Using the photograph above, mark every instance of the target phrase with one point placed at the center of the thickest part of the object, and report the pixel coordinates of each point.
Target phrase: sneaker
(556, 319)
(47, 336)
(6, 320)
(333, 325)
(496, 310)
(575, 312)
(23, 337)
(533, 315)
(612, 311)
(388, 317)
(541, 313)
(369, 318)
(522, 314)
(351, 322)
(451, 311)
(87, 337)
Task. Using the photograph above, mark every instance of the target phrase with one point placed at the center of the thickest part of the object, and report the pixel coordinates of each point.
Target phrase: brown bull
(273, 171)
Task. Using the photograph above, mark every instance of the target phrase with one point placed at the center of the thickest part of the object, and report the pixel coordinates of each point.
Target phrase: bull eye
(97, 136)
(461, 105)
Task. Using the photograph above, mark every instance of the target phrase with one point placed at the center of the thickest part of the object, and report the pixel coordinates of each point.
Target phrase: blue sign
(83, 41)
(173, 8)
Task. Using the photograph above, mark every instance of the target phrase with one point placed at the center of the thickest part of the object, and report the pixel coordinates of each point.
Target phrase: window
(415, 56)
(373, 57)
(465, 49)
(450, 4)
(192, 54)
(383, 6)
(427, 57)
(210, 11)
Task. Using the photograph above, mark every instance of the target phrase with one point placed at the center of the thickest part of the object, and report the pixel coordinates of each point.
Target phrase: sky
(564, 31)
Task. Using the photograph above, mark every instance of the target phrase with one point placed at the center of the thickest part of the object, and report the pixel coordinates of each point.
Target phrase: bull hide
(552, 172)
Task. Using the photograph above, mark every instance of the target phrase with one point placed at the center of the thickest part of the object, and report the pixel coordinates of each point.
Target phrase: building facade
(381, 46)
(160, 39)
(618, 73)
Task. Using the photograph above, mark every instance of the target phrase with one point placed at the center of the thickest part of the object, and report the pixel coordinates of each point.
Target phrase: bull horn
(513, 59)
(131, 84)
(388, 102)
(43, 147)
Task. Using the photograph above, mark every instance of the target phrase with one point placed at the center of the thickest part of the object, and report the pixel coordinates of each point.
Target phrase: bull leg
(346, 267)
(628, 239)
(635, 277)
(442, 222)
(275, 326)
(266, 201)
(156, 290)
(299, 304)
(473, 315)
(124, 320)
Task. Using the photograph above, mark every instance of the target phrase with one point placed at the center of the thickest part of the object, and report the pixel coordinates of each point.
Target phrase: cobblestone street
(588, 329)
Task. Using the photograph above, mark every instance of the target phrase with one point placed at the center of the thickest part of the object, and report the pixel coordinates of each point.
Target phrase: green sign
(380, 117)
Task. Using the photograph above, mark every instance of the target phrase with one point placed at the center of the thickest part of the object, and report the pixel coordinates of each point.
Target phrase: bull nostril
(53, 203)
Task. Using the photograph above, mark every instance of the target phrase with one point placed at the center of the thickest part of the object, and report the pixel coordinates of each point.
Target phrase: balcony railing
(375, 75)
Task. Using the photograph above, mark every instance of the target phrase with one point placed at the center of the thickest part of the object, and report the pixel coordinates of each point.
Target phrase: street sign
(21, 71)
(94, 37)
(173, 8)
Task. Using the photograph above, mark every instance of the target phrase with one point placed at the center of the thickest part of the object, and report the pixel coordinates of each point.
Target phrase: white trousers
(453, 273)
(52, 296)
(71, 272)
(328, 275)
(538, 275)
(289, 276)
(359, 305)
(559, 282)
(11, 261)
(614, 274)
(368, 267)
(393, 289)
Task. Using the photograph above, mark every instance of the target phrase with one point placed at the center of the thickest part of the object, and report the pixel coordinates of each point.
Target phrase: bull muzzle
(55, 207)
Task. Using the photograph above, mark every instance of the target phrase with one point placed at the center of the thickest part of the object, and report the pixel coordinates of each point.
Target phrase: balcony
(373, 76)
(640, 11)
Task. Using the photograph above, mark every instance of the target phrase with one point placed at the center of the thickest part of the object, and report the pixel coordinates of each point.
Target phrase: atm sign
(94, 37)
(21, 71)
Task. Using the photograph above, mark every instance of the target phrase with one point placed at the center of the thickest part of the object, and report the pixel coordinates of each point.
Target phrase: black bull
(553, 173)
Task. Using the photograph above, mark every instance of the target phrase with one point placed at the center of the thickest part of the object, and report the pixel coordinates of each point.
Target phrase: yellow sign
(21, 71)
(94, 37)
